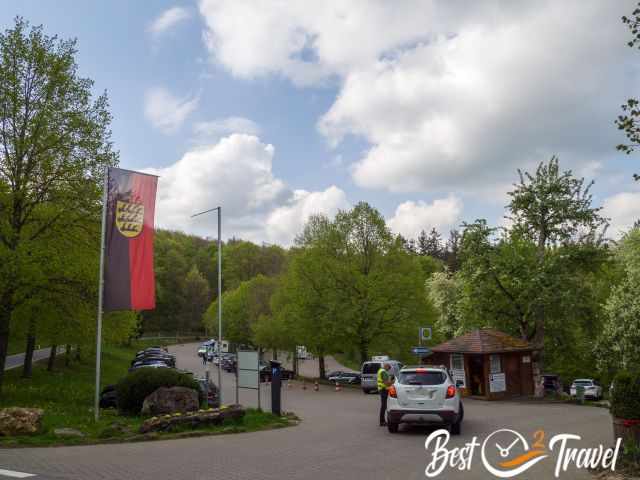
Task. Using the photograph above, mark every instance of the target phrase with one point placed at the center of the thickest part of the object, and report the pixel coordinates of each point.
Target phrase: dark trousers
(384, 395)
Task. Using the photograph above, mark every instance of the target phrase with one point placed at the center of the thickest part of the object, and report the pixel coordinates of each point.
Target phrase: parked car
(351, 378)
(229, 364)
(108, 397)
(425, 395)
(213, 394)
(203, 350)
(551, 383)
(369, 373)
(148, 364)
(169, 360)
(266, 376)
(592, 388)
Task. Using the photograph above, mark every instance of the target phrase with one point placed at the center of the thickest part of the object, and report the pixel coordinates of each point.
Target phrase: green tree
(619, 345)
(54, 146)
(552, 207)
(196, 300)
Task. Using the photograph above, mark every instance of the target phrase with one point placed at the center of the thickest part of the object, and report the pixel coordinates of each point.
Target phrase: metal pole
(96, 405)
(220, 301)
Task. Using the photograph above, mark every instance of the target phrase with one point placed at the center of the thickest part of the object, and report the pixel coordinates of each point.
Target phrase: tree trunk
(27, 367)
(275, 354)
(78, 355)
(323, 372)
(67, 355)
(52, 357)
(364, 351)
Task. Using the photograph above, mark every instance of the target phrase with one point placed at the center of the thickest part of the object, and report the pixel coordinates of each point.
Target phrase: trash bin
(580, 393)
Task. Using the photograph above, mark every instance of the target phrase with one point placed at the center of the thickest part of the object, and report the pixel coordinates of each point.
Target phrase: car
(148, 364)
(203, 350)
(592, 389)
(369, 373)
(551, 383)
(351, 378)
(108, 397)
(213, 394)
(266, 375)
(169, 360)
(424, 395)
(229, 364)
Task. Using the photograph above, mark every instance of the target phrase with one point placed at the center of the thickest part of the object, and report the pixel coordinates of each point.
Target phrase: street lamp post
(219, 344)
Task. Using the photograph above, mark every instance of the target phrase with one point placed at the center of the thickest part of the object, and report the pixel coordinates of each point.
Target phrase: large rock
(171, 400)
(20, 421)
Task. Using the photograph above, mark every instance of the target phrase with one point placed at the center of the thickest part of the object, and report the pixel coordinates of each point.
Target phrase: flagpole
(96, 405)
(220, 304)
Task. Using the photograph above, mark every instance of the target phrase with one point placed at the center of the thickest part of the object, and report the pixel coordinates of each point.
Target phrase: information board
(497, 382)
(248, 370)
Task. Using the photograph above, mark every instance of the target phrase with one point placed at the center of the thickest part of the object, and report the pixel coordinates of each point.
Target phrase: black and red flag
(129, 280)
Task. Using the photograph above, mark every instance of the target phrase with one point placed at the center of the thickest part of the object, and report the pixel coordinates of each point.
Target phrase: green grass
(349, 362)
(66, 396)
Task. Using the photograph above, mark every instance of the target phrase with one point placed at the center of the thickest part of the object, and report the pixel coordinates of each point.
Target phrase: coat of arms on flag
(129, 218)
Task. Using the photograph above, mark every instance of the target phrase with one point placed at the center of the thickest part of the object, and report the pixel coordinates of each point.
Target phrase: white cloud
(166, 112)
(411, 217)
(448, 96)
(285, 220)
(236, 173)
(624, 210)
(214, 129)
(167, 20)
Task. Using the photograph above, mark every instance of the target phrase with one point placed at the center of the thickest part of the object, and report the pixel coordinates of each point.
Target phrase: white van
(369, 373)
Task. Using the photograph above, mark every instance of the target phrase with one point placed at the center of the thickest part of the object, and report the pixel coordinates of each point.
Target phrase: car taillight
(393, 393)
(451, 391)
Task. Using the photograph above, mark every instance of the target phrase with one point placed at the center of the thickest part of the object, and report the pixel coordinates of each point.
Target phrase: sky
(277, 110)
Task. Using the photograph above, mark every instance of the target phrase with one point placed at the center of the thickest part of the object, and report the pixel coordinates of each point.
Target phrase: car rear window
(584, 383)
(422, 378)
(370, 368)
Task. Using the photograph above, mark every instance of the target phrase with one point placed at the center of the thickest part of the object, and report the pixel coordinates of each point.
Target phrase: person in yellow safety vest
(385, 380)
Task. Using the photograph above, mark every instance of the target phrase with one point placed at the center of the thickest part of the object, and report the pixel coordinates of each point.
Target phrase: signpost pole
(220, 303)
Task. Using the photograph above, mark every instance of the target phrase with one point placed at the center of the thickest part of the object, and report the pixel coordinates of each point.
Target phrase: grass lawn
(66, 396)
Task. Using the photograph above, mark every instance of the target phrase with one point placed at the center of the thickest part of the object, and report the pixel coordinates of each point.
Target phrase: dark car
(170, 360)
(213, 396)
(551, 383)
(351, 378)
(266, 375)
(229, 364)
(108, 397)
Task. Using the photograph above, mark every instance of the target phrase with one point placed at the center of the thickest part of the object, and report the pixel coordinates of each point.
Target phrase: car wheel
(392, 427)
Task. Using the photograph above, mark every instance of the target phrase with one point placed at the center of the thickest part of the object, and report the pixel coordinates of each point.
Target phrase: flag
(129, 280)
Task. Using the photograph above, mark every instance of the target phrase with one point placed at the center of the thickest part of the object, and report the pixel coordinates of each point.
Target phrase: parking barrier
(316, 386)
(338, 387)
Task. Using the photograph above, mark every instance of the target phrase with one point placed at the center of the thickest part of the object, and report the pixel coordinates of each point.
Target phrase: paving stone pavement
(338, 438)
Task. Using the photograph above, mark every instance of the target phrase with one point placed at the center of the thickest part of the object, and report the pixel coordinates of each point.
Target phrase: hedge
(625, 396)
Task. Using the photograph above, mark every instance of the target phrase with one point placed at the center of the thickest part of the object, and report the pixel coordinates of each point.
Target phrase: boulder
(194, 420)
(171, 400)
(20, 421)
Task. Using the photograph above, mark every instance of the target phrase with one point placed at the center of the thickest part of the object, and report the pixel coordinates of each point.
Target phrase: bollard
(316, 387)
(338, 387)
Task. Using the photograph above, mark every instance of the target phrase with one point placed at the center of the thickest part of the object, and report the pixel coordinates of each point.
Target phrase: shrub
(625, 397)
(137, 385)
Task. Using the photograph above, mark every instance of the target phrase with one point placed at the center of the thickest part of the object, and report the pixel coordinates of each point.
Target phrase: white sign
(497, 382)
(248, 369)
(526, 359)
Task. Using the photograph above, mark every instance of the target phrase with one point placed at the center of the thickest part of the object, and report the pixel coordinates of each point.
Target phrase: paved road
(15, 361)
(338, 438)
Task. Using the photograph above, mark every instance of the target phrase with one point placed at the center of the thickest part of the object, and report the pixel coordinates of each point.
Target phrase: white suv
(424, 394)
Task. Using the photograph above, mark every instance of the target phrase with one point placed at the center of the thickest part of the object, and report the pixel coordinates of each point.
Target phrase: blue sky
(280, 110)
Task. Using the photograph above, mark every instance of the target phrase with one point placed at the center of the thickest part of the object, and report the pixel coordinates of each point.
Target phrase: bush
(625, 397)
(137, 385)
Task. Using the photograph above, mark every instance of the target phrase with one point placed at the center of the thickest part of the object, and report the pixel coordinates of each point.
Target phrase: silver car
(369, 373)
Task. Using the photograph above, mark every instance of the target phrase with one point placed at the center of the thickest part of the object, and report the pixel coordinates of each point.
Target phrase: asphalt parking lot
(338, 438)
